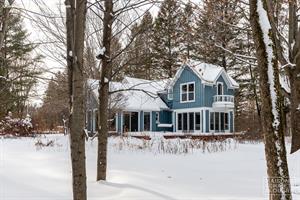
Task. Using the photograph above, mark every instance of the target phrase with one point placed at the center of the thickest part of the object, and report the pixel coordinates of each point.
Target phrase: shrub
(16, 126)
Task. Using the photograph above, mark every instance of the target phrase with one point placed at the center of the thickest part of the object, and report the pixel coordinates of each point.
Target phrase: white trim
(157, 119)
(174, 121)
(117, 121)
(204, 120)
(122, 121)
(170, 94)
(187, 96)
(151, 128)
(197, 109)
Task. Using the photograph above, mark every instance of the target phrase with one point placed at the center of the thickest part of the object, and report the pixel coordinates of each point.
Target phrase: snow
(284, 82)
(165, 125)
(208, 73)
(30, 172)
(139, 94)
(102, 51)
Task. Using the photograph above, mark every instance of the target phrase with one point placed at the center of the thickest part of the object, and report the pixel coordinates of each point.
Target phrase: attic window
(170, 94)
(187, 92)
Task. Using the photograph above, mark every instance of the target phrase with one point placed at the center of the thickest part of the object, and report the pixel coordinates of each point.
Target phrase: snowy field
(138, 170)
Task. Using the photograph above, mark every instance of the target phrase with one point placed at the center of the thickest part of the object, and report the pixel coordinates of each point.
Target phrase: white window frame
(220, 83)
(214, 130)
(187, 84)
(170, 94)
(157, 117)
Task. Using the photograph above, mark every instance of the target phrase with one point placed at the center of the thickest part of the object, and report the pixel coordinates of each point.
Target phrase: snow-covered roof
(208, 73)
(138, 94)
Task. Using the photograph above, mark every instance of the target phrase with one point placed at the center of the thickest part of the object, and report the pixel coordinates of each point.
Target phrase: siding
(165, 117)
(211, 91)
(188, 76)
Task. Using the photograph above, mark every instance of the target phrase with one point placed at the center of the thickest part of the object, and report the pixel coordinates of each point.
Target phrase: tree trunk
(75, 47)
(104, 91)
(294, 75)
(271, 109)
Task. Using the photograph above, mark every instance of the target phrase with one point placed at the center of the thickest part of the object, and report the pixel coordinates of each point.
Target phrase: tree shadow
(125, 185)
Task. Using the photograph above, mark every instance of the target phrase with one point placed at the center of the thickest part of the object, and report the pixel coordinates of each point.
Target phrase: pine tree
(186, 32)
(140, 56)
(18, 67)
(55, 106)
(216, 30)
(166, 39)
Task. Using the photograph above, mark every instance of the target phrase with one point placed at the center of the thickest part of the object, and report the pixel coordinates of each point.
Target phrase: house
(199, 99)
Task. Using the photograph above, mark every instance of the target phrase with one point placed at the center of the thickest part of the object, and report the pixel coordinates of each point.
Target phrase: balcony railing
(224, 98)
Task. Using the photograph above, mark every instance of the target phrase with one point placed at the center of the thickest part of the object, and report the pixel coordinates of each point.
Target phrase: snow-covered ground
(138, 170)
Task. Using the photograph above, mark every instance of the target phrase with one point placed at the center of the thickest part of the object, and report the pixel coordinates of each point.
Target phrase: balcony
(223, 101)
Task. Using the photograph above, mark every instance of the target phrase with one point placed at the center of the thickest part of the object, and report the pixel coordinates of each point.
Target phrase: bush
(16, 126)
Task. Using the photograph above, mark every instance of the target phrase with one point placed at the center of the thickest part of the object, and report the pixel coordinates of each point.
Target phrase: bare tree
(117, 20)
(278, 175)
(76, 17)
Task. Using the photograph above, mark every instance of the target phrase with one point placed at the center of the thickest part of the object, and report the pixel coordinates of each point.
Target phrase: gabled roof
(208, 73)
(138, 94)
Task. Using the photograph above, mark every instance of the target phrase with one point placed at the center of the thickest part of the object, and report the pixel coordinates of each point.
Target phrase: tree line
(253, 40)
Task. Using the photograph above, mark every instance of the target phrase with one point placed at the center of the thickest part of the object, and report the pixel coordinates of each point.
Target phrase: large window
(219, 121)
(189, 122)
(187, 92)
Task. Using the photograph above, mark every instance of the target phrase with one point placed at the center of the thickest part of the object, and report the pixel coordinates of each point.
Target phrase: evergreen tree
(55, 107)
(216, 30)
(166, 39)
(18, 68)
(140, 56)
(186, 32)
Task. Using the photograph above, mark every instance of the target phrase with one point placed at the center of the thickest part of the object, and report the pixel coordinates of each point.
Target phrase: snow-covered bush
(160, 145)
(16, 126)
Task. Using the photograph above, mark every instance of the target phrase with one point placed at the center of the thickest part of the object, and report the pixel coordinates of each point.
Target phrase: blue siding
(165, 117)
(188, 76)
(164, 97)
(211, 91)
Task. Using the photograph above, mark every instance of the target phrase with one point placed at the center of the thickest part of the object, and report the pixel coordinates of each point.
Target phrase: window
(191, 121)
(197, 121)
(226, 121)
(220, 89)
(157, 117)
(187, 92)
(170, 94)
(219, 121)
(212, 121)
(146, 121)
(179, 121)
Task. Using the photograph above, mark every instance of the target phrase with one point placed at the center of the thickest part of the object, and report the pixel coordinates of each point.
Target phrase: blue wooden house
(199, 99)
